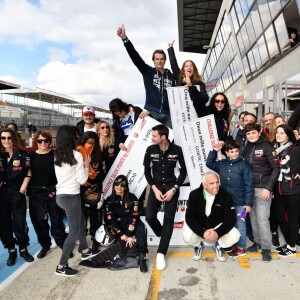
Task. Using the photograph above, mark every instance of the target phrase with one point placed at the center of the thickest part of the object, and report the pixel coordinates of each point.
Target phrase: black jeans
(13, 217)
(39, 205)
(164, 231)
(289, 204)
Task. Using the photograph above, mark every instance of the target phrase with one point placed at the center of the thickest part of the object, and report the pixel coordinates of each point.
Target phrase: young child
(236, 177)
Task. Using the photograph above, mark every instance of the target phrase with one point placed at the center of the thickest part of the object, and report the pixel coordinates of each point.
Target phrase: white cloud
(97, 68)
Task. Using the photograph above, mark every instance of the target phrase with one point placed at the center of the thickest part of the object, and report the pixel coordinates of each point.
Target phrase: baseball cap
(88, 110)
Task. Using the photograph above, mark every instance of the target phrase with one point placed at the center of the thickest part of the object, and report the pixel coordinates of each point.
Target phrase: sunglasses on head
(220, 101)
(3, 138)
(120, 183)
(104, 127)
(46, 141)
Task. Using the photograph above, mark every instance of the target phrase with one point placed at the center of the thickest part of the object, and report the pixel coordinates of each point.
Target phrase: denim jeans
(71, 204)
(164, 231)
(259, 215)
(242, 227)
(162, 118)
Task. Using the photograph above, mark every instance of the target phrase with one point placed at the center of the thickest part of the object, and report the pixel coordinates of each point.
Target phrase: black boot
(43, 252)
(26, 255)
(275, 239)
(143, 263)
(95, 247)
(12, 257)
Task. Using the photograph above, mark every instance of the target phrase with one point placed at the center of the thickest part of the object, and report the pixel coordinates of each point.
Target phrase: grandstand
(45, 108)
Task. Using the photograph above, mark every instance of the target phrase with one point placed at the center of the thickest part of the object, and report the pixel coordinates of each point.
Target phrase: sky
(71, 46)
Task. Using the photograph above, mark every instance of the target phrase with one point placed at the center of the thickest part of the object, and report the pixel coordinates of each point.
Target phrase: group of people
(261, 169)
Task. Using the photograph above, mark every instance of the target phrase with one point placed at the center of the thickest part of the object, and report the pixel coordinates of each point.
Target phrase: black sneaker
(275, 239)
(298, 240)
(12, 257)
(88, 254)
(281, 248)
(287, 252)
(143, 263)
(266, 255)
(254, 248)
(43, 252)
(26, 255)
(66, 271)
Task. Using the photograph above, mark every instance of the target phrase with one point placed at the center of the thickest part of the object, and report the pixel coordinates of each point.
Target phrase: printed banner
(181, 108)
(130, 162)
(179, 221)
(197, 138)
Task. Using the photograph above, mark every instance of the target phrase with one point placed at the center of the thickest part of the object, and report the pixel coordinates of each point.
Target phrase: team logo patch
(135, 135)
(16, 163)
(259, 153)
(131, 227)
(172, 156)
(136, 208)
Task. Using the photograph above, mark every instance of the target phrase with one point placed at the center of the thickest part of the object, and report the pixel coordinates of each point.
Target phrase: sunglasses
(46, 141)
(120, 183)
(3, 138)
(104, 127)
(220, 101)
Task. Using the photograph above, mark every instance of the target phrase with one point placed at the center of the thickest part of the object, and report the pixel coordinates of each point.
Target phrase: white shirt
(90, 129)
(209, 202)
(127, 122)
(69, 178)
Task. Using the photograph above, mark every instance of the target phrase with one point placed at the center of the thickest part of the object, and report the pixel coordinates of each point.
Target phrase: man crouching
(210, 217)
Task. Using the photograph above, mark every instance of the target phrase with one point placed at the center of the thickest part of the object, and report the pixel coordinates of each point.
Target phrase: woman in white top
(71, 172)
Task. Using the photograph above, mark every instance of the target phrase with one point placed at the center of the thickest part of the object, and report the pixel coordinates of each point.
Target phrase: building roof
(196, 23)
(8, 85)
(50, 97)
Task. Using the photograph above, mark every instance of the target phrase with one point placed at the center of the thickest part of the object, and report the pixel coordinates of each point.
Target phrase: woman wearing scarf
(288, 188)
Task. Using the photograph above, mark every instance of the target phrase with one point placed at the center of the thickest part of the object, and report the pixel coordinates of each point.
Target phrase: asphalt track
(240, 278)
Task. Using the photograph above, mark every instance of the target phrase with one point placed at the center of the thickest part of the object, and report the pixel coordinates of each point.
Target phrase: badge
(131, 227)
(111, 150)
(136, 208)
(16, 163)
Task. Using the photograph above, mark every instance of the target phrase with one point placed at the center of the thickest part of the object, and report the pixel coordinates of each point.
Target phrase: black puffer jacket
(262, 158)
(80, 125)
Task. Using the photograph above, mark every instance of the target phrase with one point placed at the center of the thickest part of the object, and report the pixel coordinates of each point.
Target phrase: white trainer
(160, 262)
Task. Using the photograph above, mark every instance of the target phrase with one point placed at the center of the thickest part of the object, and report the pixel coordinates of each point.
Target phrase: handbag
(92, 194)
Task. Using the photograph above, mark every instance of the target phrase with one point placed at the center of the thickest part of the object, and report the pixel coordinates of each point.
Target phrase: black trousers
(40, 205)
(91, 212)
(289, 204)
(13, 217)
(164, 231)
(273, 218)
(141, 237)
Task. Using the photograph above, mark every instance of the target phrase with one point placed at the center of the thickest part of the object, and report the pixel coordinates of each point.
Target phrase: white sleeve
(82, 173)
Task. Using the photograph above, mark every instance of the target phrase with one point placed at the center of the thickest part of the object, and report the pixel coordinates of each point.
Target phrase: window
(282, 33)
(250, 30)
(246, 66)
(275, 7)
(238, 10)
(262, 48)
(256, 20)
(252, 63)
(244, 7)
(257, 58)
(249, 2)
(236, 25)
(245, 37)
(241, 44)
(264, 11)
(271, 42)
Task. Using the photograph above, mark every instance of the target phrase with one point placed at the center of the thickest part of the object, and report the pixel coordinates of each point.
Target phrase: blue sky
(71, 47)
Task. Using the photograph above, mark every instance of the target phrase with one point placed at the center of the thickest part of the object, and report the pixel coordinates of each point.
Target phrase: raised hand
(121, 32)
(170, 44)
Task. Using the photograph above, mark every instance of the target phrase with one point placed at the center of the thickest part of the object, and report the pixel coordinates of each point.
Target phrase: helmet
(104, 236)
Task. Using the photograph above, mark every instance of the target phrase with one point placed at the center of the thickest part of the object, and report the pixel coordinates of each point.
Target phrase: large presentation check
(130, 162)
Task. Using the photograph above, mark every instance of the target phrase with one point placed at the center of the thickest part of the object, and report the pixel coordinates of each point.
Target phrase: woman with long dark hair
(122, 209)
(42, 194)
(89, 143)
(288, 188)
(189, 76)
(15, 174)
(70, 172)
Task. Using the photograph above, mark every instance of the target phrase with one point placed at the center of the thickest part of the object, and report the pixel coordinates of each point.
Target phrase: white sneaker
(53, 244)
(67, 229)
(219, 252)
(160, 262)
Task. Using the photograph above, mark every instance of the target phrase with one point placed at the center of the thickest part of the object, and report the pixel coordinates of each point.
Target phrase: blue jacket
(155, 82)
(236, 177)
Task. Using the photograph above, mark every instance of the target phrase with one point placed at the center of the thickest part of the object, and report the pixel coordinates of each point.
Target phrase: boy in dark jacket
(156, 80)
(236, 177)
(259, 153)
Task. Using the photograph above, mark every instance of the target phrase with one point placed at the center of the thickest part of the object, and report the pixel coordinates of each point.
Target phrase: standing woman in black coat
(15, 174)
(287, 188)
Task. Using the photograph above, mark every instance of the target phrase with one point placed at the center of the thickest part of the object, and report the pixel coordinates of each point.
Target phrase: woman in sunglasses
(109, 151)
(123, 214)
(15, 174)
(42, 194)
